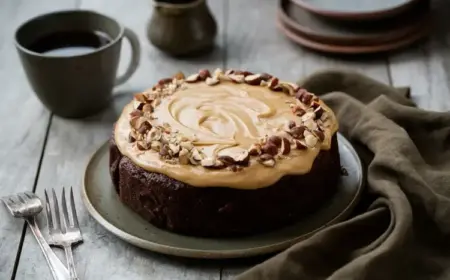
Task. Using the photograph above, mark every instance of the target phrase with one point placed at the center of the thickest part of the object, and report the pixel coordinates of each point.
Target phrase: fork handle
(59, 271)
(70, 262)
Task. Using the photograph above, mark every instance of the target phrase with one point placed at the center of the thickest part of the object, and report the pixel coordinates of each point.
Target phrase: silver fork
(63, 234)
(27, 205)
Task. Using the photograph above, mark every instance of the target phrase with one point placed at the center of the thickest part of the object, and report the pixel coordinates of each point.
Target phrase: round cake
(223, 154)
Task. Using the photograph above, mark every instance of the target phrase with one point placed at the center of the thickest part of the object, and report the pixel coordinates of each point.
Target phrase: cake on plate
(223, 154)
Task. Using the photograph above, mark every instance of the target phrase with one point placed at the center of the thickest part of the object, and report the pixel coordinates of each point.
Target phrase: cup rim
(177, 6)
(67, 11)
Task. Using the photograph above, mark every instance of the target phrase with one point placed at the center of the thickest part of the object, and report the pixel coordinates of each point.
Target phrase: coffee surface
(70, 43)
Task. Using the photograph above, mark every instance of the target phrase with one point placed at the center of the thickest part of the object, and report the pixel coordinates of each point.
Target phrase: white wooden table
(38, 150)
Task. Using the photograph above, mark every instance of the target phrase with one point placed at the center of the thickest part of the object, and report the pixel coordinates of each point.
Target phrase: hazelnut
(319, 112)
(244, 73)
(164, 151)
(193, 78)
(319, 135)
(254, 150)
(253, 79)
(306, 98)
(298, 111)
(144, 127)
(155, 145)
(299, 145)
(310, 140)
(268, 163)
(187, 145)
(183, 156)
(135, 113)
(147, 108)
(297, 132)
(141, 145)
(270, 149)
(310, 124)
(195, 154)
(137, 105)
(211, 163)
(165, 81)
(134, 121)
(285, 147)
(211, 81)
(228, 160)
(131, 137)
(237, 78)
(265, 77)
(174, 148)
(203, 74)
(140, 97)
(179, 76)
(273, 83)
(291, 124)
(275, 140)
(229, 72)
(154, 135)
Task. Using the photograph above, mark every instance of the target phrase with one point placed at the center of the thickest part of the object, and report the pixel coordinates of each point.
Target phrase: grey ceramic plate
(104, 205)
(356, 9)
(328, 31)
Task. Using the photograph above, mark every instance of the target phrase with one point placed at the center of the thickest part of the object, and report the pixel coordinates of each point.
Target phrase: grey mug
(79, 85)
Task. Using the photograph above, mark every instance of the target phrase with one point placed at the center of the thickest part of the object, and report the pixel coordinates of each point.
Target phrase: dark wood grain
(23, 125)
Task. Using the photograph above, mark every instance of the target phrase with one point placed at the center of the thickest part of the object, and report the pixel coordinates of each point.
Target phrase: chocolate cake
(225, 154)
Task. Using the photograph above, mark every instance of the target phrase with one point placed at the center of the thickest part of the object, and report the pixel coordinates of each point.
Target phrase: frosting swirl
(224, 119)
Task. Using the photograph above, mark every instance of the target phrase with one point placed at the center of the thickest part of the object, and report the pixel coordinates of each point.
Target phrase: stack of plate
(354, 26)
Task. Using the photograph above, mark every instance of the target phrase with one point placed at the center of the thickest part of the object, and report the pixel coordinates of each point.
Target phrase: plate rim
(213, 254)
(355, 49)
(367, 15)
(396, 34)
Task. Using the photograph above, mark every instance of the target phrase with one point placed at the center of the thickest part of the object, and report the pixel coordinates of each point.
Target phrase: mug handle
(135, 56)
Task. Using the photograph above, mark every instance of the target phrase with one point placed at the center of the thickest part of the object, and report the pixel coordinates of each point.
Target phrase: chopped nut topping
(174, 147)
(285, 147)
(253, 79)
(203, 74)
(212, 81)
(237, 78)
(193, 78)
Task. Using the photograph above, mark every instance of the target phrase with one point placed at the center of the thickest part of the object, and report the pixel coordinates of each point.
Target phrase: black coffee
(70, 43)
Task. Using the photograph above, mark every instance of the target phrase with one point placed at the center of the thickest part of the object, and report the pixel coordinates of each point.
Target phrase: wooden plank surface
(23, 124)
(255, 44)
(426, 67)
(71, 142)
(258, 45)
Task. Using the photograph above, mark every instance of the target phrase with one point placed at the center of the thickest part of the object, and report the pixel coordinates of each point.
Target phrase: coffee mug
(71, 59)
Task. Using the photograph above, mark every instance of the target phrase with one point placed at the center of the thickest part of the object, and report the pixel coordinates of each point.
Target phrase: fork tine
(30, 195)
(64, 209)
(56, 208)
(21, 197)
(74, 211)
(48, 211)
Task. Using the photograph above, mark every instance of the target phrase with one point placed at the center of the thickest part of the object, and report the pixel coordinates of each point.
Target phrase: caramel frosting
(225, 130)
